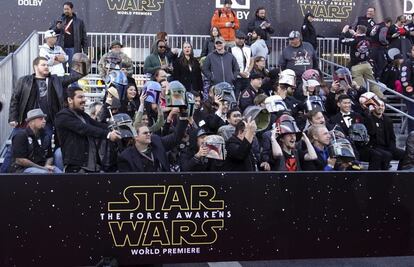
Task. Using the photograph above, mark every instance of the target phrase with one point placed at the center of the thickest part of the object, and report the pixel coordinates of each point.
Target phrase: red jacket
(219, 20)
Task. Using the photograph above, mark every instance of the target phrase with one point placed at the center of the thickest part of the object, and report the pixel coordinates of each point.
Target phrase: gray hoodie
(221, 68)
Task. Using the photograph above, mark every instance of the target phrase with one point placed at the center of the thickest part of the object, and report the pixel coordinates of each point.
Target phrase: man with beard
(381, 131)
(113, 60)
(72, 32)
(259, 46)
(32, 150)
(158, 59)
(78, 132)
(261, 21)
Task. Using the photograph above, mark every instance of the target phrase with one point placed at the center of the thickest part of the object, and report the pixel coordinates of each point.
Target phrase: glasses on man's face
(161, 47)
(219, 43)
(146, 133)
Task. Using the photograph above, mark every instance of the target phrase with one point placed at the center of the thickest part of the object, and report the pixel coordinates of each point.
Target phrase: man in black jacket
(345, 117)
(78, 132)
(260, 21)
(72, 33)
(32, 150)
(195, 158)
(381, 131)
(240, 156)
(38, 90)
(149, 154)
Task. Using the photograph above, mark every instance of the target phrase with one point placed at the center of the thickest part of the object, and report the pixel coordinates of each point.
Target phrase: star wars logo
(135, 7)
(237, 4)
(327, 10)
(154, 220)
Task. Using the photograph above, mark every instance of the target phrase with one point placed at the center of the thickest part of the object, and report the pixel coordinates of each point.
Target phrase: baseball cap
(50, 33)
(294, 34)
(219, 39)
(240, 34)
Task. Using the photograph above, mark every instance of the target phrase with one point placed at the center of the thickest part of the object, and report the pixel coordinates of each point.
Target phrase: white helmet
(287, 77)
(275, 103)
(370, 101)
(312, 83)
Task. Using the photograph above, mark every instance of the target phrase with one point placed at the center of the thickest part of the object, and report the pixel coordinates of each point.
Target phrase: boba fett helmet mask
(216, 147)
(275, 103)
(260, 115)
(225, 91)
(358, 133)
(153, 91)
(175, 96)
(314, 102)
(122, 122)
(286, 124)
(81, 63)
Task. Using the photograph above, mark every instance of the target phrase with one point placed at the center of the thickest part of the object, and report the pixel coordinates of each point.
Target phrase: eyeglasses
(161, 47)
(146, 133)
(218, 43)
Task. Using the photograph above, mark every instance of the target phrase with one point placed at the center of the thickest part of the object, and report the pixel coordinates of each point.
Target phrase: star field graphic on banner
(20, 17)
(74, 220)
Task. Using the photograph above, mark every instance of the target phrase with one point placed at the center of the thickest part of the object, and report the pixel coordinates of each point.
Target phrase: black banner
(20, 17)
(74, 220)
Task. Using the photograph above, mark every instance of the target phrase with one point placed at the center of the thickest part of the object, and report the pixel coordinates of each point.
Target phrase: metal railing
(328, 68)
(15, 65)
(6, 83)
(138, 47)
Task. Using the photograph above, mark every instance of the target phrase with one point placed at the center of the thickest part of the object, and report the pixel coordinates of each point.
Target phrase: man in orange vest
(226, 21)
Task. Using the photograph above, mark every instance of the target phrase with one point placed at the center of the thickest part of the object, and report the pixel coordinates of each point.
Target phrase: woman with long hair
(187, 69)
(259, 66)
(208, 45)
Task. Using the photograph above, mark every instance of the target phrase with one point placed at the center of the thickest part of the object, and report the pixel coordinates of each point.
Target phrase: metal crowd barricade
(15, 65)
(6, 83)
(138, 47)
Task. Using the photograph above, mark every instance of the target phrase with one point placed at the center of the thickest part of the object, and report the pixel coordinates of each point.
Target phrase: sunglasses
(219, 43)
(161, 47)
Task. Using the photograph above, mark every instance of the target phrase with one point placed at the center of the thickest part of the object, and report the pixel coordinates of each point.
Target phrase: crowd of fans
(224, 111)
